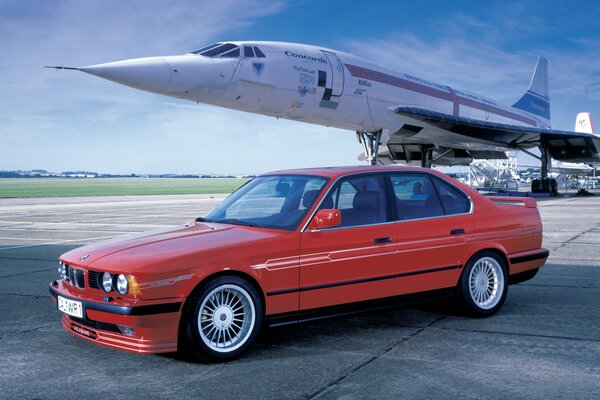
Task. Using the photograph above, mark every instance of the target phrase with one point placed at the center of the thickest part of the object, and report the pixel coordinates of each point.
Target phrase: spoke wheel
(226, 318)
(486, 283)
(221, 320)
(483, 284)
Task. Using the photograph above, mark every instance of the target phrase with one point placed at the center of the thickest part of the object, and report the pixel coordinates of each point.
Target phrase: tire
(222, 320)
(523, 276)
(483, 284)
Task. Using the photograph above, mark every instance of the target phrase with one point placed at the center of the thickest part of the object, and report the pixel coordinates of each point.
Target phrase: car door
(434, 221)
(356, 260)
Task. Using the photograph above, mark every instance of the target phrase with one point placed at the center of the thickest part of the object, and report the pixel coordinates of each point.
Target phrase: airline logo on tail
(583, 123)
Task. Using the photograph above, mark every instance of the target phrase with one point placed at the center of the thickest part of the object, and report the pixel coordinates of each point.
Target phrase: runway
(544, 343)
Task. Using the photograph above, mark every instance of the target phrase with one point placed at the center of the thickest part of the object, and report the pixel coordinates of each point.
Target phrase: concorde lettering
(398, 117)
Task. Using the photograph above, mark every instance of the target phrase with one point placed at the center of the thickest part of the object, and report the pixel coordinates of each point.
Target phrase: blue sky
(64, 120)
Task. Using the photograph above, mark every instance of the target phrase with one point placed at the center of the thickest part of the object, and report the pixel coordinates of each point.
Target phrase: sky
(66, 120)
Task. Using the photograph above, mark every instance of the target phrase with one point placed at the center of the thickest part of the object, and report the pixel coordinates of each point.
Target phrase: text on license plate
(71, 307)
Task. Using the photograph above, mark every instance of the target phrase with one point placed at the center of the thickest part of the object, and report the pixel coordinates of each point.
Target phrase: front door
(356, 260)
(337, 73)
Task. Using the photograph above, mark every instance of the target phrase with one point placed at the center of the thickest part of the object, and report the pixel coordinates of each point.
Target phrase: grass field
(13, 188)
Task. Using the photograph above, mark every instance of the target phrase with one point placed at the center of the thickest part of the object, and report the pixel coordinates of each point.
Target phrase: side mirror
(326, 218)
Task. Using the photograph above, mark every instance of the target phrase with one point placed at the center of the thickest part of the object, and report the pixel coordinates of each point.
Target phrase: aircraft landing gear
(426, 155)
(370, 142)
(545, 184)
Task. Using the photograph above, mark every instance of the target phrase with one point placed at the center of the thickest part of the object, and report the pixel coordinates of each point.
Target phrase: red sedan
(295, 246)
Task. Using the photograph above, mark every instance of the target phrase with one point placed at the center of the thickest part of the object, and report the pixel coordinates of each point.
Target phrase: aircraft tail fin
(583, 123)
(536, 99)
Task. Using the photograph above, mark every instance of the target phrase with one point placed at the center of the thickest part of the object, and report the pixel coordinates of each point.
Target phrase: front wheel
(223, 319)
(483, 284)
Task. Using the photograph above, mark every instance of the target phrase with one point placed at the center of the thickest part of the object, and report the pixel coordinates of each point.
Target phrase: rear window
(420, 195)
(415, 196)
(453, 200)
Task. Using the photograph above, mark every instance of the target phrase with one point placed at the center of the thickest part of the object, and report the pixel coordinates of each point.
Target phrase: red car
(294, 246)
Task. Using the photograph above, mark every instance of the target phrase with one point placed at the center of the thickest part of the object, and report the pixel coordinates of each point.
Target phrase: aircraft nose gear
(370, 142)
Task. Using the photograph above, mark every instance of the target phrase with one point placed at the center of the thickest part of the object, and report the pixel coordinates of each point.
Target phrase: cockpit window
(233, 53)
(258, 52)
(206, 48)
(217, 49)
(248, 52)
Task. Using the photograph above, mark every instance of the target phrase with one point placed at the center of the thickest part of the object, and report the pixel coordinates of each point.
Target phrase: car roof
(335, 172)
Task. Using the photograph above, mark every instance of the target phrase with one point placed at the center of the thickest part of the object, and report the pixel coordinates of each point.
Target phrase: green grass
(32, 187)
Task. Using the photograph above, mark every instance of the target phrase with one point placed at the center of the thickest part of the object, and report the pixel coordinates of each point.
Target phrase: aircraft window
(248, 52)
(215, 51)
(232, 53)
(258, 52)
(206, 48)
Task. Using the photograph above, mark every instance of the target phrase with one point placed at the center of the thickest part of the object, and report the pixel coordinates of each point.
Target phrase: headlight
(62, 270)
(122, 284)
(107, 282)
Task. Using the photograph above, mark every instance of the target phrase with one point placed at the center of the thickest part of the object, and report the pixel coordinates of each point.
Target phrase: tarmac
(544, 343)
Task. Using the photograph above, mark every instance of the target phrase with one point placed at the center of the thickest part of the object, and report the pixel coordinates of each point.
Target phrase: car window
(453, 200)
(360, 199)
(416, 196)
(271, 201)
(311, 191)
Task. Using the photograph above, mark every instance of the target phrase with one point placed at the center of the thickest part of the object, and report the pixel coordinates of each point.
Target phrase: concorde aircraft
(417, 120)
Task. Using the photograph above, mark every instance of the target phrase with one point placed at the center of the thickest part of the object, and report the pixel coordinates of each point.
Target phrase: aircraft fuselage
(314, 85)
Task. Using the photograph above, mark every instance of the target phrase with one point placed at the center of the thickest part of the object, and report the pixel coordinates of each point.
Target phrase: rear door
(434, 223)
(357, 260)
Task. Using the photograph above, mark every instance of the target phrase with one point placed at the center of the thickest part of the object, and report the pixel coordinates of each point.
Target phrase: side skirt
(356, 308)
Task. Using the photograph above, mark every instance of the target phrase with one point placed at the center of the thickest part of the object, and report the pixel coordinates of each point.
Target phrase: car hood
(129, 253)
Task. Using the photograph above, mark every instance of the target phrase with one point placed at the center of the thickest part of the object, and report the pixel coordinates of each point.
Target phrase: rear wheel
(483, 284)
(223, 319)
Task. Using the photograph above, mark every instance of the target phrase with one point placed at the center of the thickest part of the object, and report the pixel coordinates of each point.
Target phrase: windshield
(219, 50)
(274, 201)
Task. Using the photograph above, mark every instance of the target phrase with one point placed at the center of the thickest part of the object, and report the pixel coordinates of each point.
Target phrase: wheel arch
(495, 248)
(218, 274)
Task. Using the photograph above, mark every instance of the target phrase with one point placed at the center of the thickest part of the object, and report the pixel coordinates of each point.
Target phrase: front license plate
(71, 307)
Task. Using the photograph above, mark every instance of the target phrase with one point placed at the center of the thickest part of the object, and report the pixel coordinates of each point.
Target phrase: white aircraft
(583, 123)
(416, 119)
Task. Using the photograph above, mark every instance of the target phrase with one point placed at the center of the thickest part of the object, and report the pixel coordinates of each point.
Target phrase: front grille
(71, 275)
(79, 279)
(94, 279)
(76, 277)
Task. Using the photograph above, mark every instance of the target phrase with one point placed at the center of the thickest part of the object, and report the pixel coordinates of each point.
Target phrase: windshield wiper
(237, 222)
(202, 219)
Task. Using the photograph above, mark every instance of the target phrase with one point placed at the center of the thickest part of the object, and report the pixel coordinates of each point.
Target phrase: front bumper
(155, 323)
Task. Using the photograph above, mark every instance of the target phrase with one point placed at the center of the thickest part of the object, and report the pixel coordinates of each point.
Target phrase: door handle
(383, 240)
(457, 231)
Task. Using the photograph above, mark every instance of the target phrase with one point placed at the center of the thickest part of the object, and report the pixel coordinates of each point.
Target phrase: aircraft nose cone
(151, 74)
